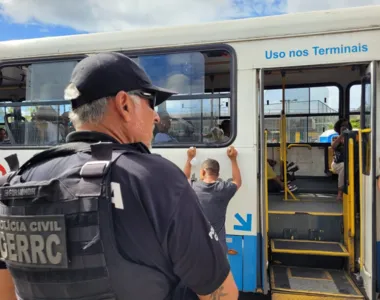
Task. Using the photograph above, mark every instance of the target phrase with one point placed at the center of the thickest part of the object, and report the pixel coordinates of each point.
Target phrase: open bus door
(367, 169)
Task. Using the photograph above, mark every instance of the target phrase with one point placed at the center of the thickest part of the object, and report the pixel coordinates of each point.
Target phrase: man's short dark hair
(211, 166)
(225, 125)
(3, 129)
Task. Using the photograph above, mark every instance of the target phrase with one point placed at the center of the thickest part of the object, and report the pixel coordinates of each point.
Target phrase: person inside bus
(190, 135)
(48, 130)
(225, 126)
(214, 194)
(275, 185)
(337, 144)
(4, 137)
(215, 135)
(163, 128)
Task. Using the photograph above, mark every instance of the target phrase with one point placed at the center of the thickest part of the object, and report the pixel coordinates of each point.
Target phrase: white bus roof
(296, 24)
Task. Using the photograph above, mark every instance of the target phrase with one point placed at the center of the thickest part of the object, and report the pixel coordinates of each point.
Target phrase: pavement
(252, 296)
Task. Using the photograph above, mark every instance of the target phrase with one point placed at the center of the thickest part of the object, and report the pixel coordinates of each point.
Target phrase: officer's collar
(95, 136)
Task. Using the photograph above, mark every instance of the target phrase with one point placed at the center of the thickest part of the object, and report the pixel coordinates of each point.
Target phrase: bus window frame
(347, 112)
(140, 52)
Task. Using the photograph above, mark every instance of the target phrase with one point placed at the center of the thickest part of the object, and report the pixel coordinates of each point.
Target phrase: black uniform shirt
(161, 225)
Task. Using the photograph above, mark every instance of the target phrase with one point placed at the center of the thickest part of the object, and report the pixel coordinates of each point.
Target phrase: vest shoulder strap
(99, 167)
(103, 155)
(57, 151)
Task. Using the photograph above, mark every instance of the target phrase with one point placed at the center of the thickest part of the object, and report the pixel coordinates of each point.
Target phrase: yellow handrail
(361, 199)
(299, 145)
(284, 158)
(351, 187)
(367, 130)
(283, 140)
(283, 136)
(266, 178)
(283, 152)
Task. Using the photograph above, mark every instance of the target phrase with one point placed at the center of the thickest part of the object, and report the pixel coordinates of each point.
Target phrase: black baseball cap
(105, 74)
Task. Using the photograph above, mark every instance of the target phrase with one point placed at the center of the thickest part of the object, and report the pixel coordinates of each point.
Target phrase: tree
(355, 123)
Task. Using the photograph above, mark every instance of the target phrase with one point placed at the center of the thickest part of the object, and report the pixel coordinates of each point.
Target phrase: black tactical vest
(56, 236)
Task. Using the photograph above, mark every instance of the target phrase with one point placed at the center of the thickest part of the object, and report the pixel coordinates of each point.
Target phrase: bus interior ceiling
(307, 234)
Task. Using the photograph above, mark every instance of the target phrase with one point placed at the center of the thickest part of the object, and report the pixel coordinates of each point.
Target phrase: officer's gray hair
(91, 113)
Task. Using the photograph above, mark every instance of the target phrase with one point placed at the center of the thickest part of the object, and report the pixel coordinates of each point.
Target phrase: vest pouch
(50, 237)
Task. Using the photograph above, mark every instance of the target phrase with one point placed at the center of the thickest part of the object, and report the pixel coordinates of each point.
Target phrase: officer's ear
(123, 103)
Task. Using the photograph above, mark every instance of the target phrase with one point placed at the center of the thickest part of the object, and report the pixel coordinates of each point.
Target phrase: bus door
(367, 169)
(263, 187)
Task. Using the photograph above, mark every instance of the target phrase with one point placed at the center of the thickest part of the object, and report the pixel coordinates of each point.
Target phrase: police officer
(81, 222)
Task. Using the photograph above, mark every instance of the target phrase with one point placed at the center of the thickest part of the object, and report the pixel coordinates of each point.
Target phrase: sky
(22, 19)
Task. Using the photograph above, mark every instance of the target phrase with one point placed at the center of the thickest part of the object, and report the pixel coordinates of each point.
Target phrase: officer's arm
(226, 291)
(198, 257)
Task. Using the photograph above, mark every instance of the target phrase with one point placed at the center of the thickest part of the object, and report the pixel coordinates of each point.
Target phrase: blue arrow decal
(245, 224)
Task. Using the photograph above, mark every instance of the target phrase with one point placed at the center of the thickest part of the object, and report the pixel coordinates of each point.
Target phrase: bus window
(310, 112)
(355, 105)
(34, 112)
(201, 113)
(32, 102)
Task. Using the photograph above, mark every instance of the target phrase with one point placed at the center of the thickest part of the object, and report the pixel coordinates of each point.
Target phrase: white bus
(306, 69)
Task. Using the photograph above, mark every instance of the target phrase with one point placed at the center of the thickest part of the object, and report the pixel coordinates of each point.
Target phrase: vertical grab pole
(351, 204)
(361, 199)
(351, 187)
(283, 138)
(283, 141)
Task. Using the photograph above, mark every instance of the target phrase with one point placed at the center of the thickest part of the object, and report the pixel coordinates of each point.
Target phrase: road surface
(251, 296)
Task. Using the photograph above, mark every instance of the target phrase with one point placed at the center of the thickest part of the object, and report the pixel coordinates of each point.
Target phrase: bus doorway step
(308, 247)
(296, 283)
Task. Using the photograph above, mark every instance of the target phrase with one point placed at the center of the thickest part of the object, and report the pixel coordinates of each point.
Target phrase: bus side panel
(235, 257)
(250, 259)
(243, 261)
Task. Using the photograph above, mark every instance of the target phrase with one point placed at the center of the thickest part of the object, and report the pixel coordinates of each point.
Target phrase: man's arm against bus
(197, 255)
(7, 288)
(236, 176)
(190, 155)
